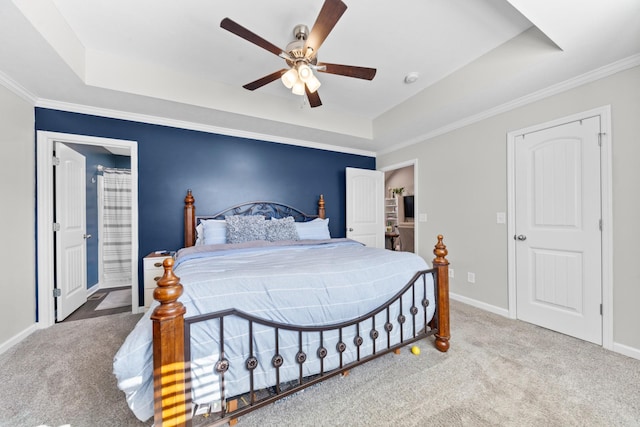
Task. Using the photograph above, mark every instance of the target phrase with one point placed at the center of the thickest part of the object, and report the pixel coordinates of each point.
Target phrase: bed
(266, 304)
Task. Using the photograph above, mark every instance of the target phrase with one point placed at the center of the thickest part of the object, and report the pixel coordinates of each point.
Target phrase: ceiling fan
(301, 54)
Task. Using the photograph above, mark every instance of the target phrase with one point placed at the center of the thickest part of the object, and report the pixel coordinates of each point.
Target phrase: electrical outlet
(451, 273)
(471, 277)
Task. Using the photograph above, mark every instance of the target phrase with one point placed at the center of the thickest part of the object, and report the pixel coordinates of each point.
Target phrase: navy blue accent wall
(221, 170)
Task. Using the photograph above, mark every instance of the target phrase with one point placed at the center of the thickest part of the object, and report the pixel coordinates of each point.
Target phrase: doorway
(401, 206)
(559, 226)
(45, 204)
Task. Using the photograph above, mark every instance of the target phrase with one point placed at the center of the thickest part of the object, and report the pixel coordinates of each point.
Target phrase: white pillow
(318, 229)
(199, 235)
(214, 231)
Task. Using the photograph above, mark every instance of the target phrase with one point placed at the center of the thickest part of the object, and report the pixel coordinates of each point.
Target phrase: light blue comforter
(301, 283)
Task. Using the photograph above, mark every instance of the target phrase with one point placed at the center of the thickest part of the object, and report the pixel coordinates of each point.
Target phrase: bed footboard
(172, 394)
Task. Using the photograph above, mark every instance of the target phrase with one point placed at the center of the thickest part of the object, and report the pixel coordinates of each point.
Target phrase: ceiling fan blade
(250, 36)
(328, 17)
(347, 70)
(314, 98)
(265, 80)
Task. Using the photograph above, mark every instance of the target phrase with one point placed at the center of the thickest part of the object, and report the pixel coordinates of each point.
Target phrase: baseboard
(17, 338)
(617, 347)
(479, 304)
(625, 350)
(114, 285)
(92, 290)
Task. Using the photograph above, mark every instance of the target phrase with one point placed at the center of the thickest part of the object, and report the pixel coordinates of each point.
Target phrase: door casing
(606, 211)
(44, 216)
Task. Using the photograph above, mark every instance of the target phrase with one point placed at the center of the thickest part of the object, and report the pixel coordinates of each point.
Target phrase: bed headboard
(268, 209)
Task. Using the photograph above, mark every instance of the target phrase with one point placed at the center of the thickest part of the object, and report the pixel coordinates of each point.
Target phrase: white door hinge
(56, 226)
(55, 161)
(57, 292)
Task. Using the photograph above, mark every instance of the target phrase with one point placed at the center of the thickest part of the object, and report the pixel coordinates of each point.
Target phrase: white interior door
(71, 248)
(365, 206)
(557, 224)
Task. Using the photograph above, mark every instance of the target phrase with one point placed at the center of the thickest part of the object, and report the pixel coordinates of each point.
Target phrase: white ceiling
(170, 60)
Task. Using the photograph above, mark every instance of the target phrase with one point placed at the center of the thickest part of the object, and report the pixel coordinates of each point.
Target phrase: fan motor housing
(295, 48)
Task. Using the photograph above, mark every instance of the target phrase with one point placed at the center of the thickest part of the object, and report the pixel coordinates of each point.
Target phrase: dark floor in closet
(88, 309)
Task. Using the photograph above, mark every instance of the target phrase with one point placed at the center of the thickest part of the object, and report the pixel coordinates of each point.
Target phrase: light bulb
(304, 72)
(313, 83)
(298, 88)
(289, 78)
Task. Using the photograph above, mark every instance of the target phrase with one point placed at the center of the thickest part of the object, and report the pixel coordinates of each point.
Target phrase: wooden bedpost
(321, 212)
(171, 407)
(441, 263)
(189, 220)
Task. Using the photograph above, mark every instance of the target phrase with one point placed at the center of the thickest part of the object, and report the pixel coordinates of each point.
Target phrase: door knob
(521, 237)
(350, 229)
(87, 236)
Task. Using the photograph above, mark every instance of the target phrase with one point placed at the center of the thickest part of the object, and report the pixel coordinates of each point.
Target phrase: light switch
(501, 217)
(422, 217)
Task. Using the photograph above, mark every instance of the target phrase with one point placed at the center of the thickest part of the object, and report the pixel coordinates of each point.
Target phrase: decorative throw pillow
(245, 228)
(318, 229)
(281, 229)
(214, 231)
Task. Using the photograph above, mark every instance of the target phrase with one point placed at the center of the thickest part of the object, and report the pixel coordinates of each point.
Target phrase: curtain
(116, 244)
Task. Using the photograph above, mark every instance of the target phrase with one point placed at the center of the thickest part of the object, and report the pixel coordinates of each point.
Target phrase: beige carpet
(498, 372)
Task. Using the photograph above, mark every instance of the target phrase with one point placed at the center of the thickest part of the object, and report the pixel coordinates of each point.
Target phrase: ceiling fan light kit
(304, 72)
(289, 78)
(301, 54)
(298, 88)
(298, 76)
(313, 83)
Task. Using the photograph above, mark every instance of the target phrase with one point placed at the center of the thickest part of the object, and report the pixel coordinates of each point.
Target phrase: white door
(365, 206)
(71, 248)
(557, 229)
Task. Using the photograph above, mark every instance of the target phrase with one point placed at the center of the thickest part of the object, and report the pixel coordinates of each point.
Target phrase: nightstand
(152, 272)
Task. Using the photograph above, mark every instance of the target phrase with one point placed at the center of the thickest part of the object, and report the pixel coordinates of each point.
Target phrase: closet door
(558, 234)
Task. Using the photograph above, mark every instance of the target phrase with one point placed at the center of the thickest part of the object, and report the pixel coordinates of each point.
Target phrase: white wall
(466, 170)
(17, 218)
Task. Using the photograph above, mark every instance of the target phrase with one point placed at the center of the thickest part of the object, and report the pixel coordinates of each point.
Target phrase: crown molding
(182, 124)
(17, 89)
(591, 76)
